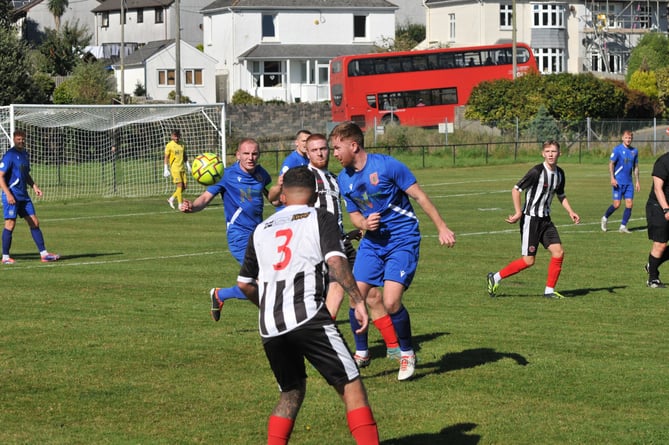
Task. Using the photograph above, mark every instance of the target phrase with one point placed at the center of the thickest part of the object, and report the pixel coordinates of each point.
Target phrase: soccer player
(15, 179)
(376, 189)
(242, 188)
(176, 163)
(540, 183)
(329, 198)
(657, 217)
(296, 158)
(289, 257)
(624, 172)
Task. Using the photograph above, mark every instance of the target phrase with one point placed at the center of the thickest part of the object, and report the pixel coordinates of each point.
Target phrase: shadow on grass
(36, 257)
(452, 435)
(469, 358)
(567, 293)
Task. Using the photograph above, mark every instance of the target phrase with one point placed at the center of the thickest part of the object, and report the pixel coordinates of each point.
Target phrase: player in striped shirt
(540, 184)
(285, 273)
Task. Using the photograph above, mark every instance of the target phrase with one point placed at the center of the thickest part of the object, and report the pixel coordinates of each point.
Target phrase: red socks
(513, 268)
(278, 430)
(387, 330)
(554, 269)
(363, 426)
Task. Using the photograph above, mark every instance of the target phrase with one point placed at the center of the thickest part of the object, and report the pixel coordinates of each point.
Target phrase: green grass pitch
(114, 344)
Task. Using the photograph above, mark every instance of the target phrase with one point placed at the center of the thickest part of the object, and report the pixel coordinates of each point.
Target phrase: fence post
(423, 151)
(654, 136)
(587, 123)
(515, 152)
(454, 155)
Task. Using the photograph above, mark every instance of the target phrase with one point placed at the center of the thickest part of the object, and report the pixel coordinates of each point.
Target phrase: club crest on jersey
(374, 178)
(533, 249)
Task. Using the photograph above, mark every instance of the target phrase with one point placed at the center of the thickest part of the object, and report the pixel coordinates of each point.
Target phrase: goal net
(108, 151)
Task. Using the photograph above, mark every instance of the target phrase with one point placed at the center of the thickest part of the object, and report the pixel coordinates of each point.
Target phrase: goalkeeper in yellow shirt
(175, 160)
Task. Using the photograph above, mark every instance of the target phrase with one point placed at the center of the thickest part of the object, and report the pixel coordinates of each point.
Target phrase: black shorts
(535, 230)
(320, 342)
(658, 227)
(350, 251)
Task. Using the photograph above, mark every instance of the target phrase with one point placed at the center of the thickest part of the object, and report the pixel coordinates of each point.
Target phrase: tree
(15, 71)
(653, 48)
(57, 9)
(5, 14)
(407, 37)
(90, 83)
(61, 50)
(644, 81)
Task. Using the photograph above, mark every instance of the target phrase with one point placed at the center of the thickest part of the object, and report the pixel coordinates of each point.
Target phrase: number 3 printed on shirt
(283, 250)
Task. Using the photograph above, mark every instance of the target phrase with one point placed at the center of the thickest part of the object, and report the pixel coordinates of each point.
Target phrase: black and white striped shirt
(287, 257)
(540, 185)
(328, 196)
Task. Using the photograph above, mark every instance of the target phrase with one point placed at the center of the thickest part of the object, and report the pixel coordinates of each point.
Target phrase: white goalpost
(108, 150)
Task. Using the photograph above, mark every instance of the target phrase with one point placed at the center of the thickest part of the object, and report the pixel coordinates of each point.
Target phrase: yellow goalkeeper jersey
(177, 155)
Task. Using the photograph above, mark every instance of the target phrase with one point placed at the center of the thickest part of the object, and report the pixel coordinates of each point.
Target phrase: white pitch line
(65, 262)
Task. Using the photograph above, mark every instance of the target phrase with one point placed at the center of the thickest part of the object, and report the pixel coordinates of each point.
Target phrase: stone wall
(274, 122)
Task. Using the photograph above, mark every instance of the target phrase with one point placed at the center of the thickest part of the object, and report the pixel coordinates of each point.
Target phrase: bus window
(408, 64)
(371, 100)
(419, 63)
(522, 55)
(395, 65)
(336, 66)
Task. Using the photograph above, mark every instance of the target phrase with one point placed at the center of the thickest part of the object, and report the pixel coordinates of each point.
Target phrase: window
(359, 26)
(505, 17)
(268, 29)
(601, 64)
(166, 77)
(451, 27)
(550, 60)
(140, 16)
(104, 22)
(548, 16)
(193, 77)
(159, 14)
(268, 73)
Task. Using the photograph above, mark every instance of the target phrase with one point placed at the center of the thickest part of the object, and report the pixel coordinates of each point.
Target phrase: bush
(242, 97)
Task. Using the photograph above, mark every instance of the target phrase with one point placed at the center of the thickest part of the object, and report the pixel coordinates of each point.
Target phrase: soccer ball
(207, 169)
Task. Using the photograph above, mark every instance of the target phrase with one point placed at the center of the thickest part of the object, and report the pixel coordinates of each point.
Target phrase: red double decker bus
(418, 88)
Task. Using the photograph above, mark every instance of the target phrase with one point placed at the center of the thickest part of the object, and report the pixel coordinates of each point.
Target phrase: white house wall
(148, 31)
(191, 58)
(292, 27)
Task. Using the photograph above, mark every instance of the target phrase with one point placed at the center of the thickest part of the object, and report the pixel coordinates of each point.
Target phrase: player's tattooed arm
(341, 272)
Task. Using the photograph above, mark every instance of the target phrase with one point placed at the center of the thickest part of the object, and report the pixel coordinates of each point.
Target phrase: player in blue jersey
(296, 158)
(15, 179)
(376, 189)
(540, 184)
(624, 172)
(242, 188)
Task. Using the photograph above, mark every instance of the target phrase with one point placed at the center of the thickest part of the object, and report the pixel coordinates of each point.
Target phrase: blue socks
(361, 343)
(227, 293)
(402, 324)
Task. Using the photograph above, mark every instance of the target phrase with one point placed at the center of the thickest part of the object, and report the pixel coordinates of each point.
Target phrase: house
(147, 21)
(153, 66)
(280, 49)
(575, 37)
(37, 16)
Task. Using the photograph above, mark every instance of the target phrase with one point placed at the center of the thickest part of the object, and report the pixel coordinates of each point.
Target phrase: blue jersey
(624, 160)
(295, 159)
(242, 195)
(15, 166)
(380, 188)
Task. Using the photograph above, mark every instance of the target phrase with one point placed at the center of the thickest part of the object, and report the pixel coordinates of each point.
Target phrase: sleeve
(249, 269)
(331, 243)
(401, 174)
(660, 169)
(529, 179)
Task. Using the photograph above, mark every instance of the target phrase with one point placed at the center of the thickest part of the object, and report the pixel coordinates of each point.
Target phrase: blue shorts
(623, 191)
(376, 263)
(237, 242)
(21, 208)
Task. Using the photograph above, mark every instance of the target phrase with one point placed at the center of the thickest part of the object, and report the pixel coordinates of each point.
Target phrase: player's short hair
(551, 142)
(299, 177)
(302, 131)
(316, 137)
(350, 131)
(19, 133)
(176, 133)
